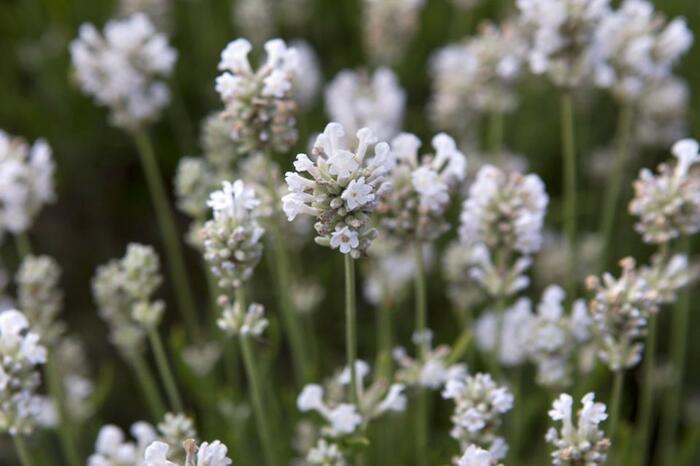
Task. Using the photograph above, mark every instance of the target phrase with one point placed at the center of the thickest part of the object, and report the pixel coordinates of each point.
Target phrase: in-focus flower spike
(20, 358)
(667, 203)
(620, 308)
(260, 107)
(479, 406)
(421, 187)
(26, 177)
(389, 27)
(40, 297)
(232, 239)
(561, 35)
(502, 220)
(124, 68)
(356, 100)
(342, 189)
(638, 48)
(578, 441)
(432, 370)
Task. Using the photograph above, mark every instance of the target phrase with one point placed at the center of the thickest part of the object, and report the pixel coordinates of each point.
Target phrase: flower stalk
(164, 370)
(570, 193)
(351, 326)
(420, 329)
(22, 452)
(148, 385)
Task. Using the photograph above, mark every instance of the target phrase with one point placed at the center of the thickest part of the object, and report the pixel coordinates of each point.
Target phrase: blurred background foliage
(102, 196)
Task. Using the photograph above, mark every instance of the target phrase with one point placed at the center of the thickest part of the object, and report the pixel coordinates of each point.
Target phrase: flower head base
(638, 48)
(562, 36)
(580, 443)
(356, 100)
(40, 296)
(479, 405)
(389, 27)
(235, 321)
(26, 177)
(668, 203)
(260, 107)
(20, 356)
(344, 188)
(232, 239)
(123, 70)
(421, 188)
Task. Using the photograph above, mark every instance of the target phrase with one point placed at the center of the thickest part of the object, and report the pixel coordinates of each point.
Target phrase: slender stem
(65, 427)
(569, 176)
(351, 327)
(148, 385)
(616, 402)
(258, 405)
(421, 326)
(164, 370)
(168, 231)
(384, 338)
(496, 134)
(614, 185)
(646, 401)
(25, 458)
(23, 245)
(290, 317)
(679, 339)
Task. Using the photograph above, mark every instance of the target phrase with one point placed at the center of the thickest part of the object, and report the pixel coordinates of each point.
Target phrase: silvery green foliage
(479, 407)
(341, 418)
(431, 369)
(343, 187)
(638, 48)
(389, 27)
(477, 76)
(206, 454)
(26, 177)
(620, 308)
(123, 291)
(40, 297)
(580, 443)
(667, 203)
(561, 38)
(259, 104)
(236, 321)
(358, 100)
(124, 69)
(421, 188)
(502, 222)
(20, 358)
(232, 238)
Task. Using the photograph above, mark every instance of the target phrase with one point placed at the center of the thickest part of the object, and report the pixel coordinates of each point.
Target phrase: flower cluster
(421, 187)
(206, 454)
(475, 456)
(389, 271)
(356, 100)
(503, 218)
(344, 188)
(123, 292)
(389, 26)
(235, 320)
(479, 406)
(663, 113)
(26, 177)
(431, 370)
(39, 295)
(477, 76)
(306, 86)
(505, 334)
(70, 358)
(668, 203)
(260, 107)
(562, 38)
(580, 443)
(637, 48)
(255, 18)
(232, 239)
(456, 265)
(20, 356)
(124, 68)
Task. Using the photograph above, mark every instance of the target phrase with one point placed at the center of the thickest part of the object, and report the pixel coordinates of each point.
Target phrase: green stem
(569, 176)
(421, 326)
(614, 185)
(148, 385)
(496, 134)
(351, 327)
(615, 403)
(168, 231)
(679, 339)
(22, 453)
(65, 427)
(23, 245)
(646, 401)
(165, 372)
(384, 338)
(258, 405)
